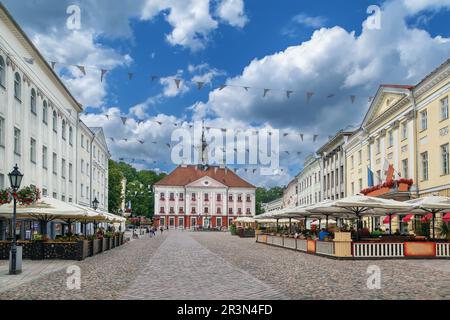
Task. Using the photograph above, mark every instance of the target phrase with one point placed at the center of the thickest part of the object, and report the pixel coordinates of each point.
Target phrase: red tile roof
(183, 176)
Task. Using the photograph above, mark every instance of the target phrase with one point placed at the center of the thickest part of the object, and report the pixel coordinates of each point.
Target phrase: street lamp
(15, 179)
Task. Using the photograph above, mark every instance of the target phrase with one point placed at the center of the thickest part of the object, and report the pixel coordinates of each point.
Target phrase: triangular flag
(53, 63)
(222, 87)
(124, 120)
(309, 96)
(352, 98)
(28, 60)
(265, 92)
(82, 69)
(130, 76)
(288, 93)
(104, 71)
(315, 137)
(177, 82)
(200, 85)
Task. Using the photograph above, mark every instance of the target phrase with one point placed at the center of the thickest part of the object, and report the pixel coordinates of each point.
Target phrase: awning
(446, 217)
(427, 217)
(408, 218)
(388, 219)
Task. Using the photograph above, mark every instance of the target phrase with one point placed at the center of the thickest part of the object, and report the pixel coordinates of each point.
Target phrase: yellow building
(406, 127)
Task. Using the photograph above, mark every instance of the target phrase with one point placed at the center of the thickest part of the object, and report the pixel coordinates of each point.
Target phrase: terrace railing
(378, 250)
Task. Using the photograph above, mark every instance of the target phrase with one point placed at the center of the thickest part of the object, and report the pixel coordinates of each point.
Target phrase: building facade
(202, 196)
(333, 166)
(406, 127)
(40, 125)
(309, 188)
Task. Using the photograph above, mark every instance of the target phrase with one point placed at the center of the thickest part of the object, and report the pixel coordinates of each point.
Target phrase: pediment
(206, 182)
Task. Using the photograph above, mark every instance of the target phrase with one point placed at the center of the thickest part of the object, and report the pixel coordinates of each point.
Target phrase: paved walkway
(182, 268)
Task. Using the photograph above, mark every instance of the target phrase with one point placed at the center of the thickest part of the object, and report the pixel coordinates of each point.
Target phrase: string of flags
(199, 84)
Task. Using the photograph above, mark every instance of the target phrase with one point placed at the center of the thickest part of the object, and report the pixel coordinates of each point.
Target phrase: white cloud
(233, 12)
(309, 21)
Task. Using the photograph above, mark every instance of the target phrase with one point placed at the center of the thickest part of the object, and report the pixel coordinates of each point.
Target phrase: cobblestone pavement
(182, 268)
(213, 265)
(304, 276)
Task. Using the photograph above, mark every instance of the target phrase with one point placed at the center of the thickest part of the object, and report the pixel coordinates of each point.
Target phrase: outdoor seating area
(82, 231)
(339, 229)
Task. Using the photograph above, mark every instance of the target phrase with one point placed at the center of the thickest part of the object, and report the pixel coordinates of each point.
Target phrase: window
(17, 87)
(70, 172)
(17, 141)
(445, 159)
(33, 150)
(45, 112)
(2, 72)
(55, 122)
(405, 168)
(2, 132)
(444, 109)
(63, 129)
(390, 139)
(44, 157)
(423, 120)
(70, 135)
(33, 101)
(54, 160)
(63, 168)
(404, 131)
(424, 158)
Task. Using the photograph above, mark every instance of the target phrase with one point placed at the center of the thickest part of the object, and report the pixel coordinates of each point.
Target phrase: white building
(40, 128)
(309, 188)
(202, 195)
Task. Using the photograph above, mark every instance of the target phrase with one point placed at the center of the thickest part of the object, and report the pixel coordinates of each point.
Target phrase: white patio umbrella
(361, 205)
(45, 210)
(431, 204)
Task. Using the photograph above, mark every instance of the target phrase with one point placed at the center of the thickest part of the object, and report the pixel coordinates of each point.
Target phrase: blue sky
(324, 47)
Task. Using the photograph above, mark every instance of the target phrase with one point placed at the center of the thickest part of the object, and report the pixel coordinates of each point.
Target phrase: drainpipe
(416, 153)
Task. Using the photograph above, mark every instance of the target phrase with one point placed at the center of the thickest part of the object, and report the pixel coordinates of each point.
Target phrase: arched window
(2, 71)
(45, 112)
(55, 122)
(63, 129)
(70, 135)
(33, 101)
(17, 87)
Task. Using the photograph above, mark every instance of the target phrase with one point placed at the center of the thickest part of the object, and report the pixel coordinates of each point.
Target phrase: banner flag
(82, 69)
(104, 71)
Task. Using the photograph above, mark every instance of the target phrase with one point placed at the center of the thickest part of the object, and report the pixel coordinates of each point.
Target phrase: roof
(184, 175)
(39, 55)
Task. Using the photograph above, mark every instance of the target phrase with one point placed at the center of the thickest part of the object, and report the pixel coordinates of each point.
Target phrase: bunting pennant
(352, 98)
(200, 85)
(124, 120)
(309, 95)
(265, 92)
(315, 137)
(177, 82)
(104, 71)
(82, 69)
(288, 93)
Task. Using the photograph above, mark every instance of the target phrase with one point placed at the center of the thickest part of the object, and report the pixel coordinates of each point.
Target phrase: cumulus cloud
(232, 12)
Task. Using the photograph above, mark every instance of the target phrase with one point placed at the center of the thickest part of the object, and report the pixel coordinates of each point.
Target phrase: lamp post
(15, 179)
